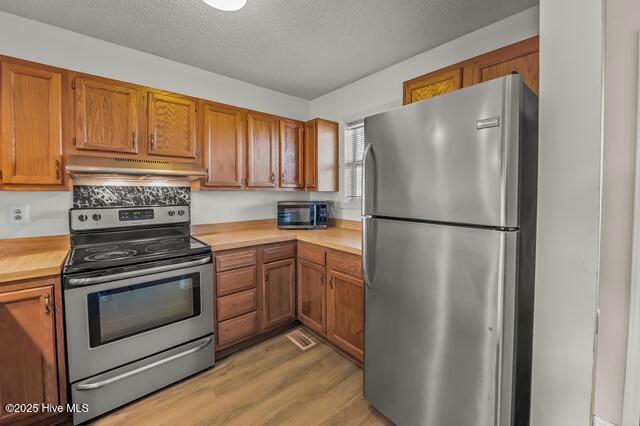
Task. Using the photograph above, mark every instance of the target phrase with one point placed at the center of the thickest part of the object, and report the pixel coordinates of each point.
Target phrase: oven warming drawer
(117, 387)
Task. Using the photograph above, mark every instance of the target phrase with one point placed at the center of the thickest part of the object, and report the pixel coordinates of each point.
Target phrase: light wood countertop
(221, 237)
(27, 258)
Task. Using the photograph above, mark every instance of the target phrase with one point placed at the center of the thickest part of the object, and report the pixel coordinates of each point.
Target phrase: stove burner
(100, 249)
(167, 246)
(110, 255)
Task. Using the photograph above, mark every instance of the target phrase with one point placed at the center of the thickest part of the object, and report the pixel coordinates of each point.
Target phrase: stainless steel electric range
(138, 303)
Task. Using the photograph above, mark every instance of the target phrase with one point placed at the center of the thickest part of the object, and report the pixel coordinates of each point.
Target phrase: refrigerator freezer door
(453, 158)
(439, 323)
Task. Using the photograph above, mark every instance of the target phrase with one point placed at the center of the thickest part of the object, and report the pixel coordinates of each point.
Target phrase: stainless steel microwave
(303, 214)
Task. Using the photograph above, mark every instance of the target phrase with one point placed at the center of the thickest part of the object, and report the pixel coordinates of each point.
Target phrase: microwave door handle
(131, 274)
(91, 386)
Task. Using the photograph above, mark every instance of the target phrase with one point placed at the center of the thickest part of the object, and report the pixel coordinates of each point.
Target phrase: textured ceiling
(305, 48)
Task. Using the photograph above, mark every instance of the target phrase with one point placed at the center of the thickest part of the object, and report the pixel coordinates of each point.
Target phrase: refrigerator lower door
(439, 323)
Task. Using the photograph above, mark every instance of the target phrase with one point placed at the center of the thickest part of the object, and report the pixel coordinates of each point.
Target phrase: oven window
(126, 311)
(302, 215)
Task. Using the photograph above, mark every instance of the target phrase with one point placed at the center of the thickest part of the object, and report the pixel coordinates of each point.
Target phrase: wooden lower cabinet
(345, 312)
(255, 293)
(331, 297)
(312, 297)
(31, 357)
(263, 289)
(278, 294)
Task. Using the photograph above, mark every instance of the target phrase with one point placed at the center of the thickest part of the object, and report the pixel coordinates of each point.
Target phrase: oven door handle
(131, 274)
(91, 386)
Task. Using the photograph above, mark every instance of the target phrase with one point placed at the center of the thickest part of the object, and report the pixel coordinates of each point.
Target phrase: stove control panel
(119, 217)
(137, 214)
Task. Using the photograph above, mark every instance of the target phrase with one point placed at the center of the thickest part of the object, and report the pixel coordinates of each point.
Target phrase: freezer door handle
(368, 150)
(91, 386)
(365, 251)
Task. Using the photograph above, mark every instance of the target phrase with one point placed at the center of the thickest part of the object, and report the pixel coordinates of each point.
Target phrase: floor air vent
(301, 340)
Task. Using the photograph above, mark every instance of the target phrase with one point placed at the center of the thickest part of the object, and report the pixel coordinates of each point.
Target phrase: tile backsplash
(90, 196)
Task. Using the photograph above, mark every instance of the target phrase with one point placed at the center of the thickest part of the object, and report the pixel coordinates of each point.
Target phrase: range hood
(80, 165)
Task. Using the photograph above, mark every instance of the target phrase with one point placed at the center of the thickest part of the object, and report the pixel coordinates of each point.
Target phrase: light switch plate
(19, 214)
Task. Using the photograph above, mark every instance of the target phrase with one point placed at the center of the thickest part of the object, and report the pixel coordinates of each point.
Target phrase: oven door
(296, 215)
(117, 319)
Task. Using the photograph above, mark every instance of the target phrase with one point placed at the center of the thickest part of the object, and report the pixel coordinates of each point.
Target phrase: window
(353, 152)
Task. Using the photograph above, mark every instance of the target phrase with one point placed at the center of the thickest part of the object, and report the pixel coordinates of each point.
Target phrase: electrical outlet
(19, 215)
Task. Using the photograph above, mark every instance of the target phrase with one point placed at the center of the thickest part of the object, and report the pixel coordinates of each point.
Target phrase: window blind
(353, 152)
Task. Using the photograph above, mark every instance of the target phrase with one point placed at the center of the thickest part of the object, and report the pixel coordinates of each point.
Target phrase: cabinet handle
(331, 282)
(47, 304)
(322, 279)
(153, 142)
(133, 140)
(266, 277)
(282, 177)
(58, 169)
(273, 177)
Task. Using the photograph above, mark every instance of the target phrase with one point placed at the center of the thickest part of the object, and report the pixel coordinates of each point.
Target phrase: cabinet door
(171, 126)
(310, 156)
(106, 116)
(278, 294)
(31, 125)
(223, 141)
(28, 355)
(521, 58)
(262, 147)
(312, 297)
(433, 84)
(291, 154)
(345, 313)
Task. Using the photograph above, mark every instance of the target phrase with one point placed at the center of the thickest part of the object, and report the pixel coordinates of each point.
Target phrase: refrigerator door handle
(365, 256)
(368, 149)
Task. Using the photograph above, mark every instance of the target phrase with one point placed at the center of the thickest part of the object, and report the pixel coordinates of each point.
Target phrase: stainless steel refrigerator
(449, 213)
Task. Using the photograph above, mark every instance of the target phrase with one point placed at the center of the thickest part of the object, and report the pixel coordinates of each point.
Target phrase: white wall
(571, 44)
(382, 91)
(621, 59)
(31, 40)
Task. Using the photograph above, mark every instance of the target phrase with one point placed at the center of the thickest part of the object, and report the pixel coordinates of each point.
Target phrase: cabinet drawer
(236, 304)
(346, 263)
(234, 281)
(312, 253)
(278, 252)
(236, 259)
(237, 329)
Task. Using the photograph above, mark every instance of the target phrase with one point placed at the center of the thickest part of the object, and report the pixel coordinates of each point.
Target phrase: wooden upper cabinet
(310, 156)
(291, 154)
(28, 356)
(107, 116)
(31, 107)
(521, 57)
(433, 84)
(223, 130)
(278, 294)
(345, 312)
(321, 155)
(312, 297)
(262, 147)
(171, 125)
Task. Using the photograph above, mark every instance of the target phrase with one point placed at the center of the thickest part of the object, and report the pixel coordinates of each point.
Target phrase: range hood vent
(79, 165)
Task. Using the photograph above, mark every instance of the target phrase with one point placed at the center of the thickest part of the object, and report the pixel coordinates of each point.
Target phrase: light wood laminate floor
(271, 383)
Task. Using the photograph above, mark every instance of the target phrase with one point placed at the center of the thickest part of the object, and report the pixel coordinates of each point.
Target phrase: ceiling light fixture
(226, 5)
